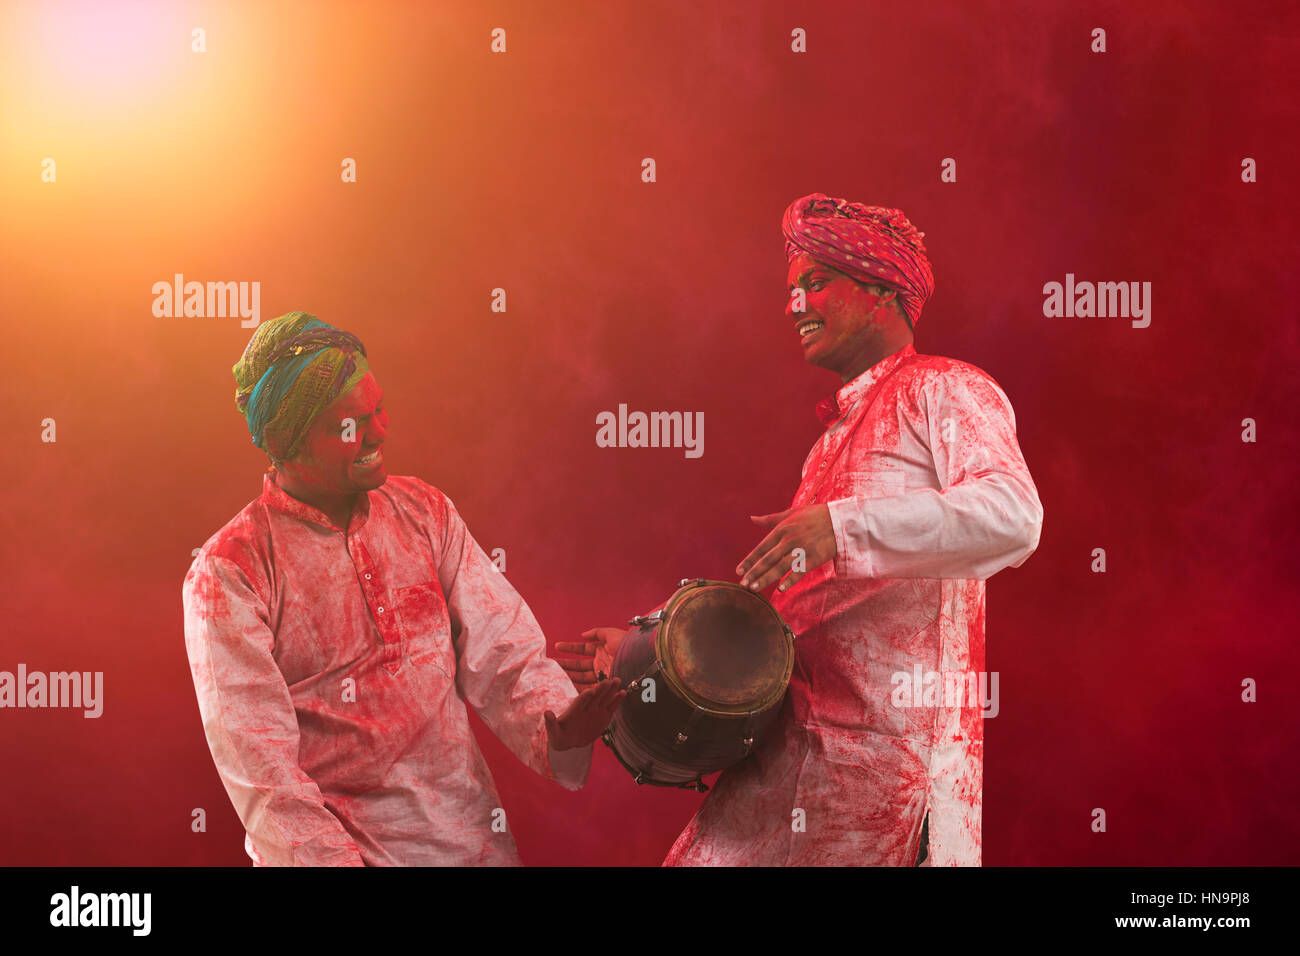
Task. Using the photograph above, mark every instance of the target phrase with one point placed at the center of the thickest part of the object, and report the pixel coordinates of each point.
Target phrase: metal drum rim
(670, 674)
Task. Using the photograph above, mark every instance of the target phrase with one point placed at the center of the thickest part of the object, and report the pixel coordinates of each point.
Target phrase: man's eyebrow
(803, 277)
(361, 418)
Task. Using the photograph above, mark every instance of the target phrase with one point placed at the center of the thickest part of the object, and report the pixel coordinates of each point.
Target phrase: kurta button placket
(393, 650)
(374, 594)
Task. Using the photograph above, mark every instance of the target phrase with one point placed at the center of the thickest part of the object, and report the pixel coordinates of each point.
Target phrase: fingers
(769, 571)
(760, 551)
(605, 691)
(772, 520)
(765, 521)
(790, 580)
(584, 670)
(597, 702)
(587, 716)
(598, 693)
(607, 699)
(580, 671)
(576, 647)
(768, 565)
(602, 698)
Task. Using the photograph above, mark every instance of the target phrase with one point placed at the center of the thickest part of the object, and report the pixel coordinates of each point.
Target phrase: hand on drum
(586, 717)
(597, 654)
(808, 528)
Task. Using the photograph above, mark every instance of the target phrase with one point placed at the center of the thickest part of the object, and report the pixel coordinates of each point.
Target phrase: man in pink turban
(914, 495)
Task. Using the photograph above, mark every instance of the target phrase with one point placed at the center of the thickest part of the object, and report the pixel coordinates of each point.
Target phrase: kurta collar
(834, 407)
(276, 497)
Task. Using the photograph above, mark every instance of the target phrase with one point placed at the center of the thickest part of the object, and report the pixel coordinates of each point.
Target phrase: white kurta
(929, 495)
(333, 668)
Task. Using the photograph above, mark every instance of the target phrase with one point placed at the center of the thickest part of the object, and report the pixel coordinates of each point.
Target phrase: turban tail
(294, 367)
(869, 243)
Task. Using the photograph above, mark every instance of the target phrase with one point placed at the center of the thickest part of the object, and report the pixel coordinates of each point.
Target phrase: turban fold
(293, 367)
(872, 244)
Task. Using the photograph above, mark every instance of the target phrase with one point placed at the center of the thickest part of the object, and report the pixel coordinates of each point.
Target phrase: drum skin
(720, 658)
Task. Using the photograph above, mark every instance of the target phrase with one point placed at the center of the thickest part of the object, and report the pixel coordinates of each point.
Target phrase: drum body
(705, 674)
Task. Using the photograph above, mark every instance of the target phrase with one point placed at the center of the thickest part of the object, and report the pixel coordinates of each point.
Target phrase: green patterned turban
(294, 367)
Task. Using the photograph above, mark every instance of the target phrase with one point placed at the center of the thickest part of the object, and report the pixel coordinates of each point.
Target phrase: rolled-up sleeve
(502, 667)
(250, 723)
(986, 516)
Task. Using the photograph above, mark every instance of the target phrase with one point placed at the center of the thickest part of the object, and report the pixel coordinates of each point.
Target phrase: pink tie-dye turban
(868, 243)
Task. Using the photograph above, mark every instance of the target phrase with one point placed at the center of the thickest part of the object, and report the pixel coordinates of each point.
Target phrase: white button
(381, 610)
(367, 577)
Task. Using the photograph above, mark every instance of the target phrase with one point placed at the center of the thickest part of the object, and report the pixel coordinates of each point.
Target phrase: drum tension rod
(682, 735)
(643, 620)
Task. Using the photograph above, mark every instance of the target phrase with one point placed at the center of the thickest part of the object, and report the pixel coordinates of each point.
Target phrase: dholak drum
(705, 675)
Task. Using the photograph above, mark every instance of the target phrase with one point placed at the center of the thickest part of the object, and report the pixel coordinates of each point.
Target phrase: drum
(705, 675)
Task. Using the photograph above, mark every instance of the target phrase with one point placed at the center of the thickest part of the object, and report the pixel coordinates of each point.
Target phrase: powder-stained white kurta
(929, 495)
(333, 668)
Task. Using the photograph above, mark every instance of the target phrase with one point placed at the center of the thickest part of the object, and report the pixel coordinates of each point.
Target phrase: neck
(877, 351)
(338, 508)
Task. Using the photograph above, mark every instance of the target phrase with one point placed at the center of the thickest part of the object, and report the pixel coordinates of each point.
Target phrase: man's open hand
(586, 717)
(808, 528)
(597, 654)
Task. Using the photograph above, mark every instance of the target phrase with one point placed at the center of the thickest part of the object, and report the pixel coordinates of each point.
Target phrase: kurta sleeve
(502, 668)
(986, 515)
(250, 723)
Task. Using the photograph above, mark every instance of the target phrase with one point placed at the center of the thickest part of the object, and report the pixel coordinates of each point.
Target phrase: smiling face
(845, 326)
(328, 470)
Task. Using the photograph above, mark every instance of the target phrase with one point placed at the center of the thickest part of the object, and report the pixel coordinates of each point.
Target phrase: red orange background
(522, 170)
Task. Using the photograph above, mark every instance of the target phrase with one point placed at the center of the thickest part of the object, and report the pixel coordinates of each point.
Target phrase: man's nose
(797, 296)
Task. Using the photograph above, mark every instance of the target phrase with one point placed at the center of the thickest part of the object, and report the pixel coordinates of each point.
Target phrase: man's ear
(892, 296)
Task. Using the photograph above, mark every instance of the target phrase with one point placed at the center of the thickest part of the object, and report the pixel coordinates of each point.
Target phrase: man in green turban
(340, 624)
